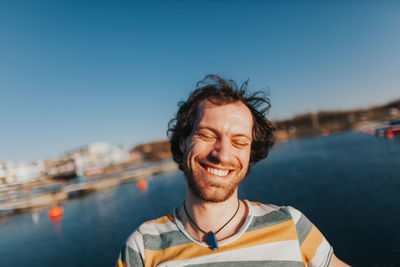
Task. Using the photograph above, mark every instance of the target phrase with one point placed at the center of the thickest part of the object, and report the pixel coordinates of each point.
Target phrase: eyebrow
(216, 132)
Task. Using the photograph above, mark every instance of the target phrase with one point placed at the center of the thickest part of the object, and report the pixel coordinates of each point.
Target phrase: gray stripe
(165, 240)
(251, 263)
(272, 218)
(303, 227)
(131, 257)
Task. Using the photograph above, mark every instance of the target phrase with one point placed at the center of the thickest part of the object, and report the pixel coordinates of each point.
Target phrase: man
(217, 135)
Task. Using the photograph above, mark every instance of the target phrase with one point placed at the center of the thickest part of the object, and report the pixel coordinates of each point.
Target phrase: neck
(211, 216)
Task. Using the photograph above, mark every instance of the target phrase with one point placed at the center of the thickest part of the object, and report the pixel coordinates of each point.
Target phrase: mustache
(217, 163)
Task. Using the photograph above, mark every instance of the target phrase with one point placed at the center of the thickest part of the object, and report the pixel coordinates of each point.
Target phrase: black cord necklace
(211, 238)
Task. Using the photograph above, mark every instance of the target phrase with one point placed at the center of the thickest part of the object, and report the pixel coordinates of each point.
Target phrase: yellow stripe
(120, 264)
(255, 203)
(162, 220)
(275, 233)
(311, 243)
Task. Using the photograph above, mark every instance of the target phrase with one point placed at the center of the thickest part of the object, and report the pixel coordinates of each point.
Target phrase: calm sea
(348, 185)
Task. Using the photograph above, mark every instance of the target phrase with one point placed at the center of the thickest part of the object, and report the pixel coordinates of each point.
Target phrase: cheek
(197, 148)
(244, 157)
(186, 148)
(192, 152)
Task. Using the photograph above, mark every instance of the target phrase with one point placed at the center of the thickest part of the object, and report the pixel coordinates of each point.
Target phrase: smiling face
(217, 152)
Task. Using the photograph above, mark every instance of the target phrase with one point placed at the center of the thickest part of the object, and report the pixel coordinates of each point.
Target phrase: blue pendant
(212, 241)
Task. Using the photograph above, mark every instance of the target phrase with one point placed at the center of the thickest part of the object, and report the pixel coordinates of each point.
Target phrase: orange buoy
(389, 134)
(56, 213)
(142, 185)
(325, 132)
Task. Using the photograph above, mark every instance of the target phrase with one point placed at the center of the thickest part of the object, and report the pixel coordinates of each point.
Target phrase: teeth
(217, 172)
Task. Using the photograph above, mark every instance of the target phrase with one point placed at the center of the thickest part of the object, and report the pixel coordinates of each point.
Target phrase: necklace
(211, 238)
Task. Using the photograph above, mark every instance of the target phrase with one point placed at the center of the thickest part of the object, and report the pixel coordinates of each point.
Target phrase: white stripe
(295, 214)
(277, 251)
(323, 252)
(135, 241)
(260, 210)
(157, 228)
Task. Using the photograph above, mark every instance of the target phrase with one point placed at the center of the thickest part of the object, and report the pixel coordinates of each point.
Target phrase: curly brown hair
(220, 92)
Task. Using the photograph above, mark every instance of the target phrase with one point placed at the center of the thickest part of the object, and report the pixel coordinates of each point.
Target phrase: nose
(221, 152)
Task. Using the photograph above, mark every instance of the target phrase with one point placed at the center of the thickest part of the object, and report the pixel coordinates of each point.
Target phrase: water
(347, 184)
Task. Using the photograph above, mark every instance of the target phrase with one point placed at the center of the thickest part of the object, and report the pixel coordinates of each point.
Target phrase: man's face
(217, 152)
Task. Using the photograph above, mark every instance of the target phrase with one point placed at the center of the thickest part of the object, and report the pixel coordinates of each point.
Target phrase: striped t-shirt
(270, 236)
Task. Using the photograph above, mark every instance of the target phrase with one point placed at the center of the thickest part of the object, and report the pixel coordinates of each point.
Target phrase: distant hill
(154, 151)
(327, 122)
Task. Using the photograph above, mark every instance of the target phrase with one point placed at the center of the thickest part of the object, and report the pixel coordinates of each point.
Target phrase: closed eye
(206, 136)
(240, 144)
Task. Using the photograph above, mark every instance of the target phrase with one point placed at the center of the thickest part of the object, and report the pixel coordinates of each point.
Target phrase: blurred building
(18, 173)
(87, 160)
(62, 169)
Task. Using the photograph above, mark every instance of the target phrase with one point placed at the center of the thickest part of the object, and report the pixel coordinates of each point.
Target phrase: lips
(216, 171)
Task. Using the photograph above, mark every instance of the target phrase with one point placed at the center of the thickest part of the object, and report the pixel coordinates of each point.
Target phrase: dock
(99, 183)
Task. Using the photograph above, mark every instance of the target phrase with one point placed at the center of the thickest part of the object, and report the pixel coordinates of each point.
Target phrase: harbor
(344, 183)
(57, 193)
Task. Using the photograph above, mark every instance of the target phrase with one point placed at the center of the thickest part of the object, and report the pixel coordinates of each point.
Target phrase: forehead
(234, 117)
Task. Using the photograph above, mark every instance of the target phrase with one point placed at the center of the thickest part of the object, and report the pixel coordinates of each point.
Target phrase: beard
(208, 190)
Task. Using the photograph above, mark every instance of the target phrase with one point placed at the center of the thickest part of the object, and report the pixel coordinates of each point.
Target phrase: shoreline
(64, 193)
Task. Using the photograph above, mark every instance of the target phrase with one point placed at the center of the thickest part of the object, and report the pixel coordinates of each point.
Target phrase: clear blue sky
(76, 72)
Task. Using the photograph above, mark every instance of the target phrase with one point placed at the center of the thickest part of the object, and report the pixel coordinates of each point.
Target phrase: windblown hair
(220, 92)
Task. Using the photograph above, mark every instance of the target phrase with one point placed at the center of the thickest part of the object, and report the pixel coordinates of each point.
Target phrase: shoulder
(156, 234)
(154, 227)
(259, 209)
(269, 214)
(266, 215)
(315, 249)
(148, 234)
(158, 226)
